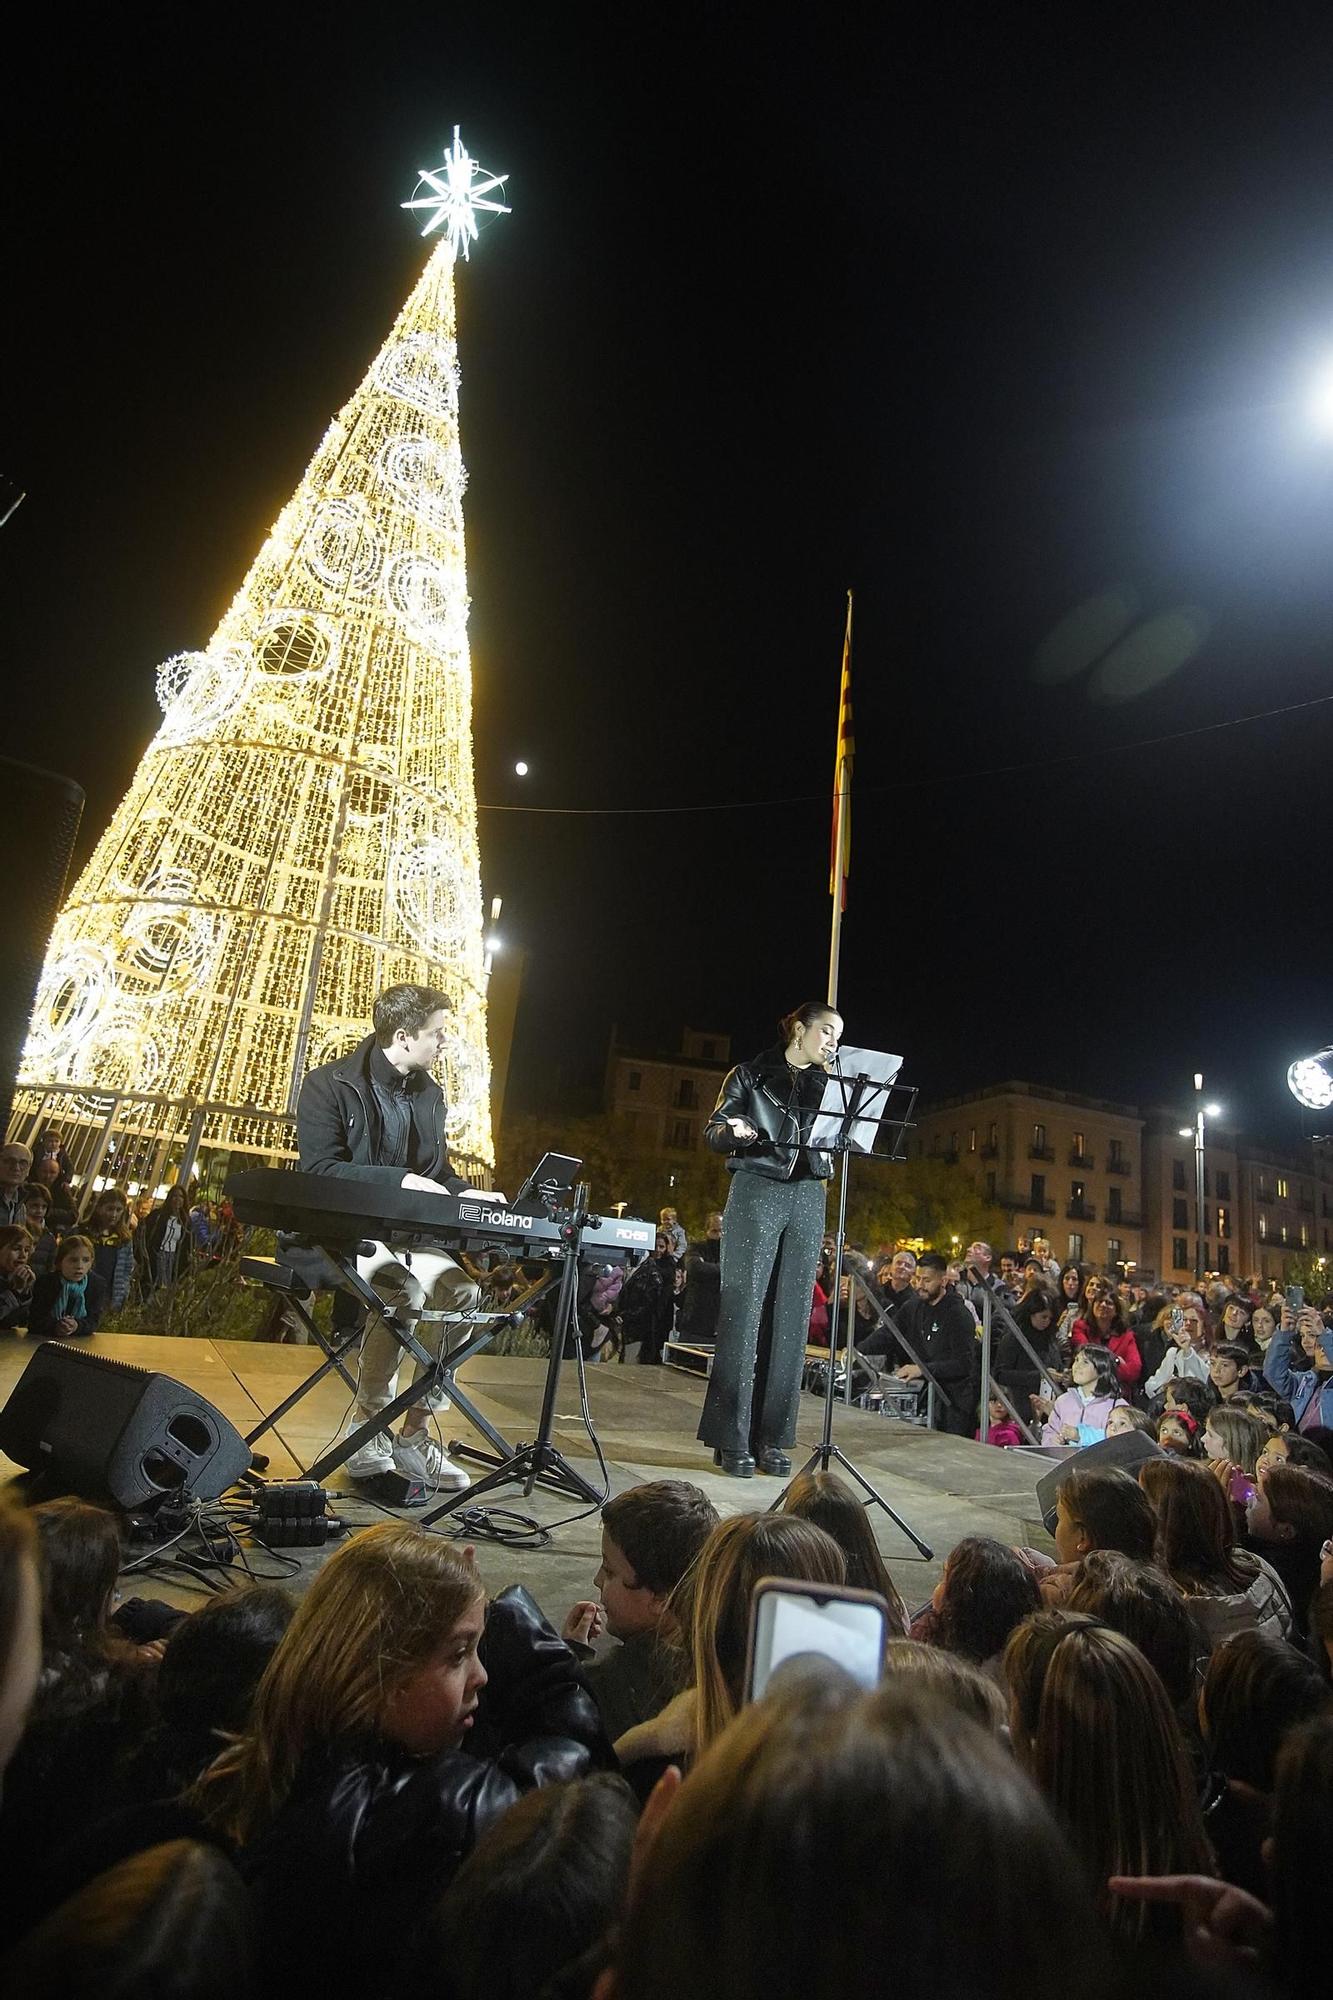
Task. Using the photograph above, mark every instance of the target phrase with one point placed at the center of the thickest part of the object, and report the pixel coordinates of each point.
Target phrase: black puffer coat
(350, 1870)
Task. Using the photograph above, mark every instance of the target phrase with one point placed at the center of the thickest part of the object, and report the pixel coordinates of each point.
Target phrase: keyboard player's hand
(423, 1184)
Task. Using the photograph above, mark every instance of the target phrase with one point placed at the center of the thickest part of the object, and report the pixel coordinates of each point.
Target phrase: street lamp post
(1202, 1110)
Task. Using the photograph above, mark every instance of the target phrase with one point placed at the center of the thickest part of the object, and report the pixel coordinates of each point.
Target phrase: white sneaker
(421, 1460)
(374, 1457)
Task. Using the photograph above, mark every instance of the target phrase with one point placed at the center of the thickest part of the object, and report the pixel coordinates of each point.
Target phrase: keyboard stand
(438, 1373)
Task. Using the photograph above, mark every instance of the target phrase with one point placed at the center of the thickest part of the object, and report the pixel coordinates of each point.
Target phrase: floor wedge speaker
(110, 1432)
(1128, 1452)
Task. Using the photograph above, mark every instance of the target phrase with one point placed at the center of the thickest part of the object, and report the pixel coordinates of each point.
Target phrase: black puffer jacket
(352, 1867)
(780, 1102)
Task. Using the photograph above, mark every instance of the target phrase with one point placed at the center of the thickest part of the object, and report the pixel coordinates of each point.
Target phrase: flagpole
(841, 811)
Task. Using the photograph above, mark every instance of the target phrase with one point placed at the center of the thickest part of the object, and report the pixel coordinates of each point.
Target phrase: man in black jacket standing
(943, 1332)
(379, 1115)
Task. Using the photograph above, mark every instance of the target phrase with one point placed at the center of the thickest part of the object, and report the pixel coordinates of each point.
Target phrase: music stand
(855, 1110)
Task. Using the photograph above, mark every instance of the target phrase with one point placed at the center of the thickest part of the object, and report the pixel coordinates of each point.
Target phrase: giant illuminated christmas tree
(301, 831)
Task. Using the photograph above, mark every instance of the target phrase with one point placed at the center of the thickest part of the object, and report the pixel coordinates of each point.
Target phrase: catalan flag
(840, 853)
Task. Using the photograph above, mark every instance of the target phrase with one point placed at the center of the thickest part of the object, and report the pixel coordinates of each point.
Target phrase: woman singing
(771, 1236)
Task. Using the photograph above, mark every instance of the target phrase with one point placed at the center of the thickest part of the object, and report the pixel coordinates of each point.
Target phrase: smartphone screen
(1295, 1297)
(1241, 1488)
(847, 1626)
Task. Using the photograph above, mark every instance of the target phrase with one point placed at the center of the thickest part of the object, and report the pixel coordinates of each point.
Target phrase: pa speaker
(111, 1432)
(1127, 1452)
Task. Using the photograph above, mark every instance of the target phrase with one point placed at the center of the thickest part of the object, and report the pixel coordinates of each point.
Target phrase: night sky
(1009, 326)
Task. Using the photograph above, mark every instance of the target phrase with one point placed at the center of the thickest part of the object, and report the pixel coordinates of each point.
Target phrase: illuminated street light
(1311, 1080)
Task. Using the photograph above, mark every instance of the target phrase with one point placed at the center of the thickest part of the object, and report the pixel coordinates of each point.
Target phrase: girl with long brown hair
(831, 1504)
(1227, 1589)
(375, 1756)
(1091, 1724)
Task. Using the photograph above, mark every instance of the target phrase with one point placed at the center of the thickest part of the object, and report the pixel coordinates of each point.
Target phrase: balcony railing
(1124, 1220)
(1118, 1167)
(1041, 1152)
(1084, 1160)
(1080, 1211)
(990, 1152)
(1023, 1204)
(1262, 1194)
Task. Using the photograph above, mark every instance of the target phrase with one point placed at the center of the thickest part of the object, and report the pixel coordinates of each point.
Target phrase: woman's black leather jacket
(780, 1102)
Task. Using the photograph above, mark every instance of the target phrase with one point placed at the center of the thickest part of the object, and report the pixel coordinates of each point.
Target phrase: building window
(1113, 1210)
(953, 1142)
(1113, 1249)
(1283, 1189)
(682, 1135)
(1305, 1236)
(1180, 1214)
(1263, 1228)
(685, 1097)
(1223, 1185)
(1039, 1138)
(1283, 1232)
(1038, 1193)
(1177, 1173)
(990, 1185)
(1117, 1156)
(1080, 1144)
(1075, 1247)
(1262, 1188)
(1180, 1254)
(972, 1140)
(1223, 1222)
(1224, 1257)
(708, 1051)
(993, 1135)
(634, 1079)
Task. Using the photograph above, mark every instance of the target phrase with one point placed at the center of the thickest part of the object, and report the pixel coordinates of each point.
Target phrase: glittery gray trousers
(771, 1237)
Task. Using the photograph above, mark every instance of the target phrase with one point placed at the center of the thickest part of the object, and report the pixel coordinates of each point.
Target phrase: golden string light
(302, 830)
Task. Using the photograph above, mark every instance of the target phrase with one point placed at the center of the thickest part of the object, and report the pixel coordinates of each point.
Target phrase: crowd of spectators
(70, 1255)
(1112, 1766)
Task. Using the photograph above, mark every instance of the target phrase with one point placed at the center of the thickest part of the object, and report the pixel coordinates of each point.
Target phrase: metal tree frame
(302, 830)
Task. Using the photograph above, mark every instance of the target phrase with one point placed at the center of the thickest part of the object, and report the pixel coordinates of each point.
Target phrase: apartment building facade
(664, 1101)
(1060, 1165)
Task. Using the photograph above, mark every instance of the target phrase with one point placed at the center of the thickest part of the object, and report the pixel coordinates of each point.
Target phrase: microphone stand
(854, 1092)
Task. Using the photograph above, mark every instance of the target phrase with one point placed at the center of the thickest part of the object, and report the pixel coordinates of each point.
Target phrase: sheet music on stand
(869, 1106)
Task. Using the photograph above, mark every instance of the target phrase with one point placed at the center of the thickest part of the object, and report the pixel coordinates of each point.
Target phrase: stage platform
(645, 1419)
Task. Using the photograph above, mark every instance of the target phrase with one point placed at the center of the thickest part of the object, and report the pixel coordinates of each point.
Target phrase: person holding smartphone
(773, 1227)
(1309, 1390)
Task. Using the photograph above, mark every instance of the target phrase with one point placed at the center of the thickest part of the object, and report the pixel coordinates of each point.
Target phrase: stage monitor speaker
(42, 813)
(1127, 1452)
(111, 1432)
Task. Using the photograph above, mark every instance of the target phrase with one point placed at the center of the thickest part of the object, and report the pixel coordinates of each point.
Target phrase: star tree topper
(457, 194)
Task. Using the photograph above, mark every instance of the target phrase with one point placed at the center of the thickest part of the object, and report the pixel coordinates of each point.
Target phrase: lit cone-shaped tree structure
(301, 832)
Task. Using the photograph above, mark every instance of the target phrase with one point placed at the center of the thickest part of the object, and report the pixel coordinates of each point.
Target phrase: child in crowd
(16, 1275)
(1178, 1432)
(1125, 1419)
(67, 1303)
(37, 1207)
(650, 1538)
(1229, 1375)
(1002, 1429)
(399, 1717)
(832, 1505)
(112, 1234)
(1080, 1416)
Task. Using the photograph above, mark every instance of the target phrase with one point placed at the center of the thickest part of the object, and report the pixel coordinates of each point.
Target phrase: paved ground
(645, 1419)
